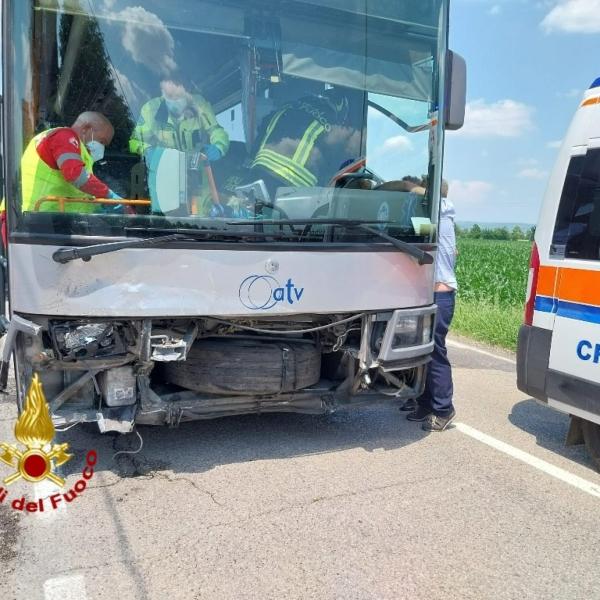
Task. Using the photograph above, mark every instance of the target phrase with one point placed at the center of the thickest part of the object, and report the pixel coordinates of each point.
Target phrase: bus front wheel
(591, 435)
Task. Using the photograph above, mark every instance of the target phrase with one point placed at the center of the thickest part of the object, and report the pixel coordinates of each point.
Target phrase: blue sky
(528, 63)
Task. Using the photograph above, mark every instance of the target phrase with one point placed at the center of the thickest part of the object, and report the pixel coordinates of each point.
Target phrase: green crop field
(492, 280)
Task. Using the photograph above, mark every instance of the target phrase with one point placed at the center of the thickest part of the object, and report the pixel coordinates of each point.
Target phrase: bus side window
(577, 228)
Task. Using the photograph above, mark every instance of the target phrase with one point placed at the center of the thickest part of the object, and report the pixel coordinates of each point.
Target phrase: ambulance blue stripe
(544, 304)
(568, 310)
(580, 312)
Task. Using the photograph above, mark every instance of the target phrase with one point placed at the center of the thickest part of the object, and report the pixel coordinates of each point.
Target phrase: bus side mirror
(456, 91)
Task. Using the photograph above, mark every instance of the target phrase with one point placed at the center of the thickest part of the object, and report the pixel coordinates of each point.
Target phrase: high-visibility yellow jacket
(294, 146)
(38, 180)
(198, 126)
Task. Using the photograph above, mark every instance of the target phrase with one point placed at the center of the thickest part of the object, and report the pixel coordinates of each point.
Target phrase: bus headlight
(408, 335)
(406, 332)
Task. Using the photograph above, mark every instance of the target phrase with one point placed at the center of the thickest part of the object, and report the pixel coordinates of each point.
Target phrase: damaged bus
(279, 257)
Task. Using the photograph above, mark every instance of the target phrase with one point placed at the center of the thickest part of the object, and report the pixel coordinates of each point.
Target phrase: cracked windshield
(194, 114)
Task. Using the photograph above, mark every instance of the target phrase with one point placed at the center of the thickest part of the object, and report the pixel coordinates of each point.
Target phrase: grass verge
(488, 323)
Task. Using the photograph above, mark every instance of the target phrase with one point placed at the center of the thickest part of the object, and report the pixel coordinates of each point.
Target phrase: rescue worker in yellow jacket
(59, 162)
(184, 122)
(305, 143)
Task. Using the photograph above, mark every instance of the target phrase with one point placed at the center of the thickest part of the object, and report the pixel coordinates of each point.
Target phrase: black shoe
(419, 414)
(409, 406)
(436, 423)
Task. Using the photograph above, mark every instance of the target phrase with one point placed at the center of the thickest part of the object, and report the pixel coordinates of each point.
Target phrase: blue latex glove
(239, 212)
(217, 211)
(113, 196)
(212, 152)
(113, 209)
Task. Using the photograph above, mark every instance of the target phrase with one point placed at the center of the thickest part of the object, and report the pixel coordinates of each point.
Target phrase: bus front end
(269, 240)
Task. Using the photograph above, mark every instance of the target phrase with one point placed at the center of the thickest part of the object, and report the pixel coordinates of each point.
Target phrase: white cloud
(533, 173)
(397, 143)
(495, 10)
(554, 144)
(147, 40)
(469, 192)
(504, 119)
(574, 16)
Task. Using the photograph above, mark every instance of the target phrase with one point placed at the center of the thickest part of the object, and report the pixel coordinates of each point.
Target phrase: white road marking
(68, 587)
(556, 472)
(455, 344)
(45, 489)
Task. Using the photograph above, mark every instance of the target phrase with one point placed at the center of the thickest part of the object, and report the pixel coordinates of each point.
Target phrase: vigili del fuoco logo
(35, 431)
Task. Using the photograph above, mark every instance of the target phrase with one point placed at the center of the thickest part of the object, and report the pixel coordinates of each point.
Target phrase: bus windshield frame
(309, 109)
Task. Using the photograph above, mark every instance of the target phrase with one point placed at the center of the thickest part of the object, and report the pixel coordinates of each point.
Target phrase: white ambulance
(559, 343)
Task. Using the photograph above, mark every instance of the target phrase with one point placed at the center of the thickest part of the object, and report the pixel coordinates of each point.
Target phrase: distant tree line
(497, 233)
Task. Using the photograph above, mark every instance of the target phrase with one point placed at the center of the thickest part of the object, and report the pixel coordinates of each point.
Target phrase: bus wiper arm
(85, 253)
(423, 258)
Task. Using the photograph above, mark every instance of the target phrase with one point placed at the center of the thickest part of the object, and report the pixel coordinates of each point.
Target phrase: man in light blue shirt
(434, 407)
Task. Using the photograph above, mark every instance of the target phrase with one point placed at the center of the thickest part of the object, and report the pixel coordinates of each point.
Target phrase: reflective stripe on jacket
(291, 166)
(199, 126)
(39, 180)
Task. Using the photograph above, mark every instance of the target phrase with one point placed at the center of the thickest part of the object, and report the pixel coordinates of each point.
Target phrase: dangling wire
(131, 451)
(70, 426)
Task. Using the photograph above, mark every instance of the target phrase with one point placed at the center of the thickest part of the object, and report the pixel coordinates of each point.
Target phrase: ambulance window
(577, 229)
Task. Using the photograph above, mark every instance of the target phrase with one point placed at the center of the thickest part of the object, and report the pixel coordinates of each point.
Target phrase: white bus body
(289, 299)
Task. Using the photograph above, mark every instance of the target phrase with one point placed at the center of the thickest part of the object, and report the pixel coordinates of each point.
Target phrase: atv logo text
(263, 292)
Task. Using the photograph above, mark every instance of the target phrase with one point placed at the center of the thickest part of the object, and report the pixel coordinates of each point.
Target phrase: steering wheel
(347, 180)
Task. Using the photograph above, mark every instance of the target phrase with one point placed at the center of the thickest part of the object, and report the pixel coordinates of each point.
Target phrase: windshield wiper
(422, 257)
(85, 253)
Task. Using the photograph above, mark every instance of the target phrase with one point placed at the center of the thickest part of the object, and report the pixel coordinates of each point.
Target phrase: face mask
(96, 150)
(176, 107)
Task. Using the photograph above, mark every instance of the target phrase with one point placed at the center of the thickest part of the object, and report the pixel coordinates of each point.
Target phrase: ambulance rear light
(532, 282)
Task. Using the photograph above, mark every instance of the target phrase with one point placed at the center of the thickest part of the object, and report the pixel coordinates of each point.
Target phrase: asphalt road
(359, 505)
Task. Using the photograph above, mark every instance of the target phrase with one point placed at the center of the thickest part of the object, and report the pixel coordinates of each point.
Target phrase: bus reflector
(532, 282)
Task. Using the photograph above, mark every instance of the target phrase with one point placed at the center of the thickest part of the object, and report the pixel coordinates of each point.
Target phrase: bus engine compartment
(122, 372)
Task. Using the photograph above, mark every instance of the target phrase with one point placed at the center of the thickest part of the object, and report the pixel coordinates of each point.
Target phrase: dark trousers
(439, 390)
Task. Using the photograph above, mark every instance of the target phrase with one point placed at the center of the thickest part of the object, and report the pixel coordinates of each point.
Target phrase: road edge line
(460, 346)
(537, 463)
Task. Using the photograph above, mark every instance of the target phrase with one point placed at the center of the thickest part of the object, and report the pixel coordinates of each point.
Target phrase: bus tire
(245, 367)
(591, 435)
